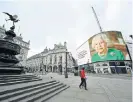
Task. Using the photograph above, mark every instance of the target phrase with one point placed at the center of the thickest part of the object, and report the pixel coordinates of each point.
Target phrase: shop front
(114, 67)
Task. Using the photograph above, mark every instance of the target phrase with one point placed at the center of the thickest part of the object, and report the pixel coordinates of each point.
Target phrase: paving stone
(65, 99)
(124, 100)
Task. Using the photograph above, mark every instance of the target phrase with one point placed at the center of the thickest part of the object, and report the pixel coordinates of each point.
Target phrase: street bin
(76, 71)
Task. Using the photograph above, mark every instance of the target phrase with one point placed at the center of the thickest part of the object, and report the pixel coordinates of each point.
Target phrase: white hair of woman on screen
(99, 43)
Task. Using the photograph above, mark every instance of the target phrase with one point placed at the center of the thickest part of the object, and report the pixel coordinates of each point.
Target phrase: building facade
(23, 44)
(51, 60)
(2, 32)
(24, 49)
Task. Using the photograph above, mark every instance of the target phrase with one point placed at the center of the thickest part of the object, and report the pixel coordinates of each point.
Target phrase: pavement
(115, 76)
(100, 89)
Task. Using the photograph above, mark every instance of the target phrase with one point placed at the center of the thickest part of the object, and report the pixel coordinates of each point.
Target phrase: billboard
(83, 54)
(108, 46)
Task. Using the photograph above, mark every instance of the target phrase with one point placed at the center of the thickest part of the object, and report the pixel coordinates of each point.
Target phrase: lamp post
(41, 66)
(66, 74)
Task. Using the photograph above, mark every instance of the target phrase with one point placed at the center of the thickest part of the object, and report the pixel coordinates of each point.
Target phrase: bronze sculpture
(12, 18)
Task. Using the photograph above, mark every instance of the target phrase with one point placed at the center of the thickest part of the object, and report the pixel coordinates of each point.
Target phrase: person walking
(83, 78)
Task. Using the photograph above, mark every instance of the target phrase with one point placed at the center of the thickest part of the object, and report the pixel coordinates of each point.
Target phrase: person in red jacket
(83, 78)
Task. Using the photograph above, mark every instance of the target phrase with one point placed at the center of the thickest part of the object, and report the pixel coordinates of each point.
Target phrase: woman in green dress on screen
(103, 52)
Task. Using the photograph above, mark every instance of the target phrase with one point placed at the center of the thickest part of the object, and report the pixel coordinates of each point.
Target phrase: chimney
(65, 45)
(29, 41)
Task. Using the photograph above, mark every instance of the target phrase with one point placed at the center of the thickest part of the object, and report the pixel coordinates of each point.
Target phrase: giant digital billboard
(108, 46)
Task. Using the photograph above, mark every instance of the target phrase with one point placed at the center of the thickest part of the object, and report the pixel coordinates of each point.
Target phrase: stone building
(51, 60)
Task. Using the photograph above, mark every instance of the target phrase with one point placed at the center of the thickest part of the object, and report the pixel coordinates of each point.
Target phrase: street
(100, 89)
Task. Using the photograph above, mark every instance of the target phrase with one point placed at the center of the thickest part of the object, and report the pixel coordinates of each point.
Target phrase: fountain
(8, 50)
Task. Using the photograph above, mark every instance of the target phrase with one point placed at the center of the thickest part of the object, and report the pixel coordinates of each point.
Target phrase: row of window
(21, 43)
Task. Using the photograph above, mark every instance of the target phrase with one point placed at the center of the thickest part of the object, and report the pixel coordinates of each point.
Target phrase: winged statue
(12, 18)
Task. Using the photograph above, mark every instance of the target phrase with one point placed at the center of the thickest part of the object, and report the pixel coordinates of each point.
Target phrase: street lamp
(66, 74)
(41, 66)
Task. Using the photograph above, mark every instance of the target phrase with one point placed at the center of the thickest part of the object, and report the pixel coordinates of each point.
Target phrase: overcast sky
(49, 22)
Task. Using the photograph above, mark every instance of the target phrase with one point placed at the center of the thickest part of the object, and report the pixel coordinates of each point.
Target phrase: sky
(49, 22)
